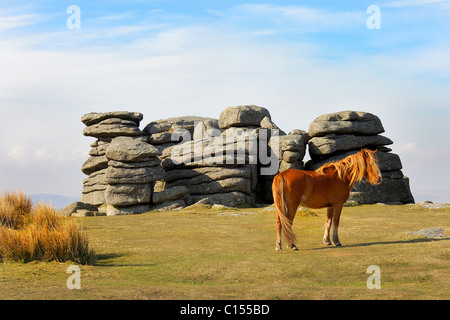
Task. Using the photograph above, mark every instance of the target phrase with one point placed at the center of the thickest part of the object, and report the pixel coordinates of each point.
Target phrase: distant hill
(56, 200)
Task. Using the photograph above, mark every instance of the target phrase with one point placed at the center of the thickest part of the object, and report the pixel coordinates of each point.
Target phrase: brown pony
(329, 186)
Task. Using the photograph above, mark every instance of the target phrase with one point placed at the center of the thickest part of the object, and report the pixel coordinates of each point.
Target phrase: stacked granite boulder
(133, 167)
(213, 164)
(215, 161)
(292, 149)
(164, 134)
(122, 166)
(335, 136)
(105, 127)
(161, 132)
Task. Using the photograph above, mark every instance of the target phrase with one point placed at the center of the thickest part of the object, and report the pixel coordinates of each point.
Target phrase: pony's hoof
(338, 244)
(327, 242)
(294, 247)
(277, 248)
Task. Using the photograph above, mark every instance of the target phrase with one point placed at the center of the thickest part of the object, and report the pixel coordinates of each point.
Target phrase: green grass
(198, 254)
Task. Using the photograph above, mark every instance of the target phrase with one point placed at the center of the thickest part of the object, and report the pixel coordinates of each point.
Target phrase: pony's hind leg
(286, 209)
(278, 244)
(328, 221)
(289, 237)
(292, 210)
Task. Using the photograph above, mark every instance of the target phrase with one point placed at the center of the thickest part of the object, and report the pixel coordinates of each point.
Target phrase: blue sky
(299, 59)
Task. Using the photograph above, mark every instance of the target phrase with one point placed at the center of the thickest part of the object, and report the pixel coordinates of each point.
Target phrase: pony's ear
(367, 152)
(375, 151)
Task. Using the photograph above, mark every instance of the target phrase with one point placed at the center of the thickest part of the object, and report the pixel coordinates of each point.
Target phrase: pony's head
(372, 172)
(355, 167)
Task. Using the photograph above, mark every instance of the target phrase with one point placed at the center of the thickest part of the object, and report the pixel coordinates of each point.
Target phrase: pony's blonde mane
(352, 168)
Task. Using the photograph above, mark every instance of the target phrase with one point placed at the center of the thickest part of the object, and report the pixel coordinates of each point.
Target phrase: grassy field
(215, 254)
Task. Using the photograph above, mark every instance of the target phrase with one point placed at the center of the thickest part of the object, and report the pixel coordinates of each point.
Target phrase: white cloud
(42, 153)
(11, 19)
(17, 152)
(407, 3)
(122, 30)
(111, 18)
(410, 147)
(293, 12)
(29, 154)
(296, 17)
(43, 168)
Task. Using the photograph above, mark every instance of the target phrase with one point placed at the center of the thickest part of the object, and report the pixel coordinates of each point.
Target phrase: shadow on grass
(104, 259)
(107, 260)
(383, 242)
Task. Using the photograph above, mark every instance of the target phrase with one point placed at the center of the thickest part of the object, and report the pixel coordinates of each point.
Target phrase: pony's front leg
(337, 209)
(328, 221)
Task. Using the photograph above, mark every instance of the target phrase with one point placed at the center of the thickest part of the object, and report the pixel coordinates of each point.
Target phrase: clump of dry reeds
(37, 232)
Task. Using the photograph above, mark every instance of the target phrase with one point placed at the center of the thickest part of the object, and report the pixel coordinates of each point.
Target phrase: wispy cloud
(29, 154)
(408, 3)
(300, 17)
(112, 18)
(409, 148)
(42, 154)
(18, 21)
(17, 152)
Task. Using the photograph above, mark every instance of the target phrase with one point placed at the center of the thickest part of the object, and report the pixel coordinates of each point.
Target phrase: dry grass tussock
(29, 233)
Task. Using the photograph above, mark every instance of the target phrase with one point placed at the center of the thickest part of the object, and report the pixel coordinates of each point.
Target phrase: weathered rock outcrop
(105, 127)
(346, 122)
(211, 166)
(131, 174)
(165, 133)
(242, 116)
(292, 149)
(79, 209)
(122, 167)
(230, 161)
(337, 135)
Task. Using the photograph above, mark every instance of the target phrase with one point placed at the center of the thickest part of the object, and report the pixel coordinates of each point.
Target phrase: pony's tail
(282, 210)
